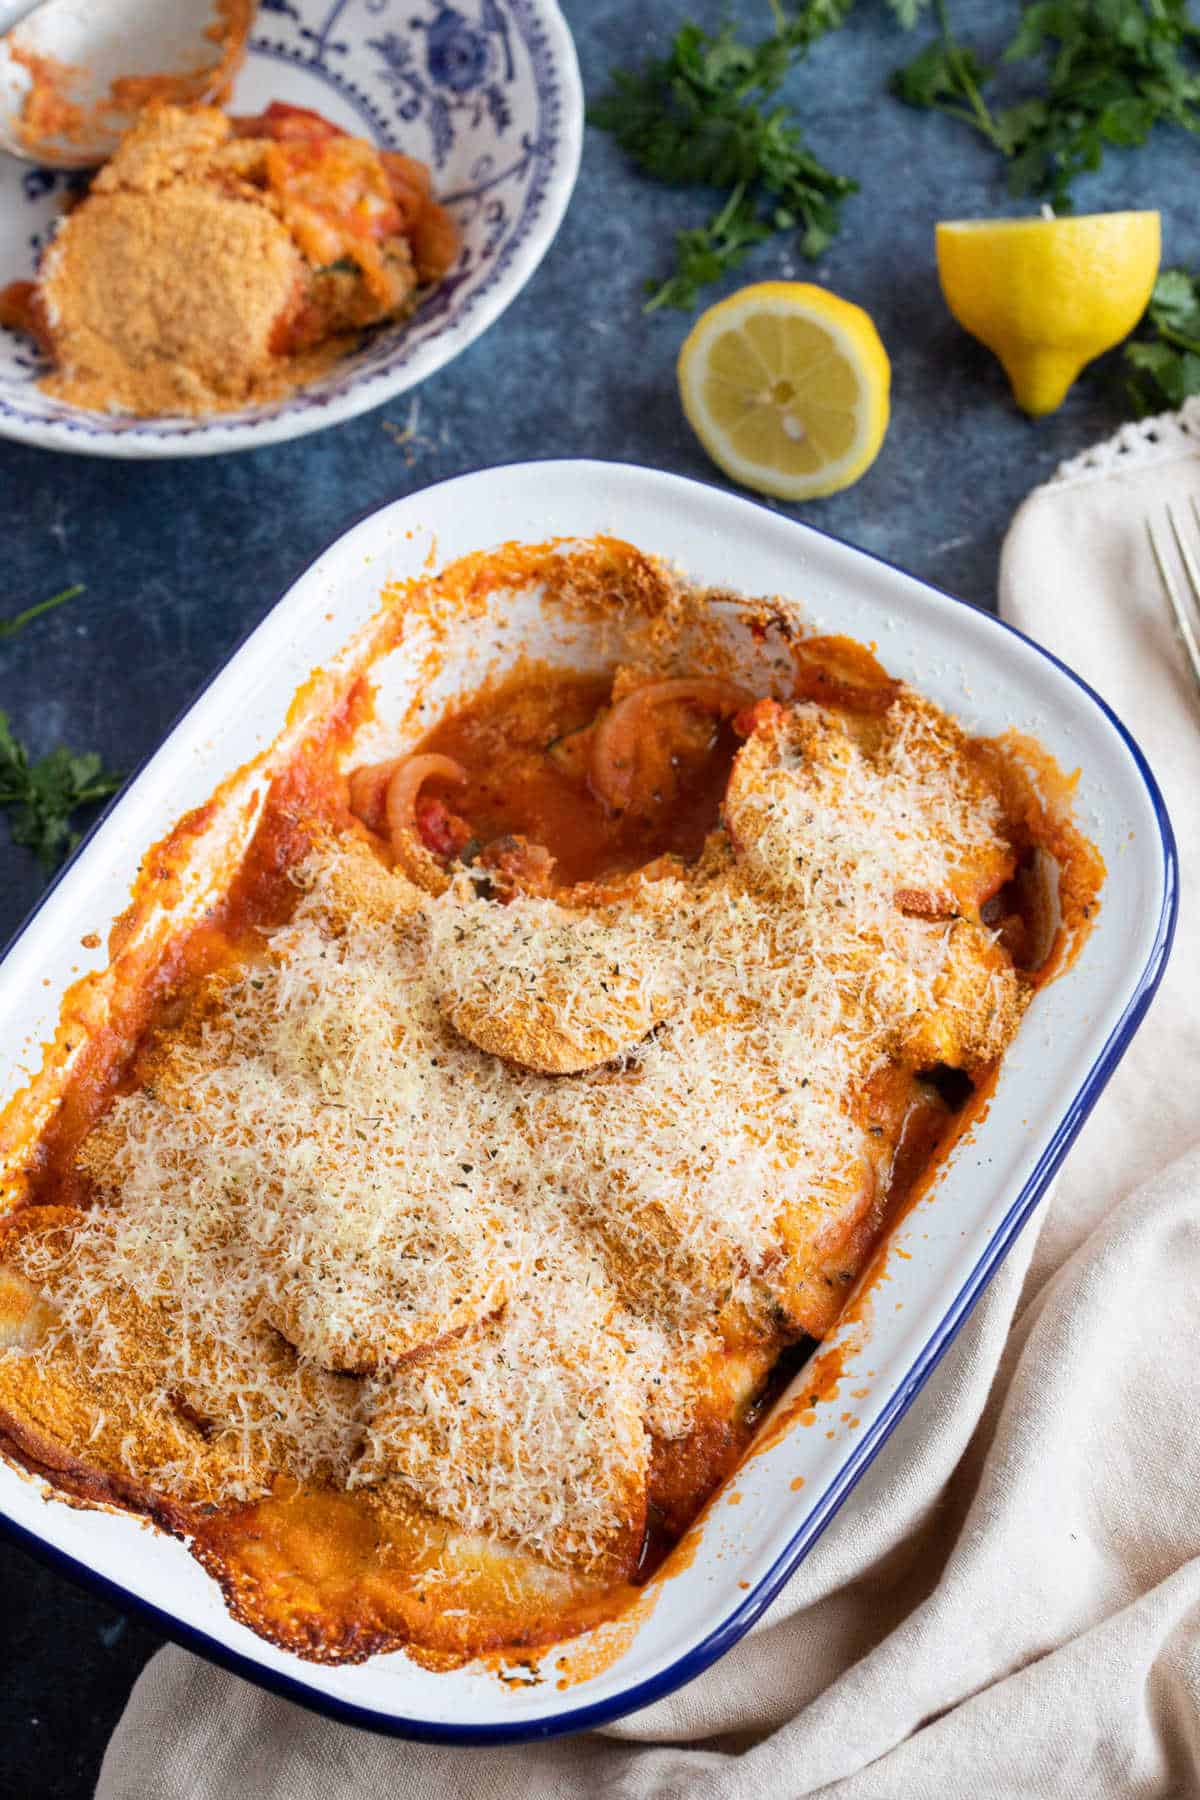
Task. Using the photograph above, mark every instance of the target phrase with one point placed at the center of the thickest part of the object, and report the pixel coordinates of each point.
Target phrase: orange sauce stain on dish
(1037, 790)
(52, 109)
(818, 1383)
(608, 1642)
(520, 1675)
(48, 111)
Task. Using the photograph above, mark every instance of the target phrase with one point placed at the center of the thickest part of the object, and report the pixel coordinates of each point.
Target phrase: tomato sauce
(524, 745)
(22, 309)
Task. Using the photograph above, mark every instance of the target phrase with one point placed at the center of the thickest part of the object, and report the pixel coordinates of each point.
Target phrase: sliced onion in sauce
(614, 748)
(405, 784)
(368, 791)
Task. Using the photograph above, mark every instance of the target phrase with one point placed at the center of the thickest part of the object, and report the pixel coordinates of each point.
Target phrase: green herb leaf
(699, 118)
(1018, 125)
(1109, 71)
(1163, 360)
(1174, 309)
(705, 253)
(908, 12)
(10, 627)
(935, 76)
(41, 797)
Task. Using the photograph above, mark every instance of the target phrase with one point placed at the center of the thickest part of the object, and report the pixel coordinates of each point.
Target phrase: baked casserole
(423, 1233)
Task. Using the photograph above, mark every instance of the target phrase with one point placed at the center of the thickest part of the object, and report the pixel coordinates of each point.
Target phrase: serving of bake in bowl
(382, 183)
(595, 931)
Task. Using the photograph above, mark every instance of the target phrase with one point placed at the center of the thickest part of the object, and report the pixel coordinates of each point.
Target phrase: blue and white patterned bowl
(487, 92)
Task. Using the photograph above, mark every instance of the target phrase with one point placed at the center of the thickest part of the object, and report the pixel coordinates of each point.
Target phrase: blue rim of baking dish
(723, 1637)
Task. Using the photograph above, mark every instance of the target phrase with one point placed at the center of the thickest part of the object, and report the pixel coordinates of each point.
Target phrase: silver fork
(1187, 612)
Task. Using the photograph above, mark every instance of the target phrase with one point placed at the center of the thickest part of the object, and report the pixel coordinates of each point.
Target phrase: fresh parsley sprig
(1163, 360)
(703, 253)
(41, 797)
(948, 77)
(1108, 71)
(702, 116)
(10, 627)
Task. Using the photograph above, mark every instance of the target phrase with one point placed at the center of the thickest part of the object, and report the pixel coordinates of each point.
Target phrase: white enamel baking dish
(1073, 1036)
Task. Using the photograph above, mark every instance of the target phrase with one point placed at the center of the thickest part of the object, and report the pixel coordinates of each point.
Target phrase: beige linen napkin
(1009, 1602)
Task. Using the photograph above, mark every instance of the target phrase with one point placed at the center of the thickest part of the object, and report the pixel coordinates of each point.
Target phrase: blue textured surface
(181, 559)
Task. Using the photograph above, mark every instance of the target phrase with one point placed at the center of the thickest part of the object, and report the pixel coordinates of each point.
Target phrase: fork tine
(1178, 604)
(1188, 618)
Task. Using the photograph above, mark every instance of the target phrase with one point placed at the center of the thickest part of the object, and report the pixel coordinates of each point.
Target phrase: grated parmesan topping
(553, 987)
(832, 819)
(322, 1177)
(466, 1432)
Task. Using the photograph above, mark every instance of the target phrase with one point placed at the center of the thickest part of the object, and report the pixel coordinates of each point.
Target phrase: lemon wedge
(786, 386)
(1048, 295)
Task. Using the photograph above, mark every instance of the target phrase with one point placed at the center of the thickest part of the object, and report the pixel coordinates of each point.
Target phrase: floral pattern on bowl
(485, 91)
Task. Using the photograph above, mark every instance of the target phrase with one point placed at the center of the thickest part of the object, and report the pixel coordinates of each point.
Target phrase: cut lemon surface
(786, 386)
(1048, 295)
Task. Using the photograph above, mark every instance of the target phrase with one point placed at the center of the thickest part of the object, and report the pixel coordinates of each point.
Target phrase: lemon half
(1048, 295)
(786, 386)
